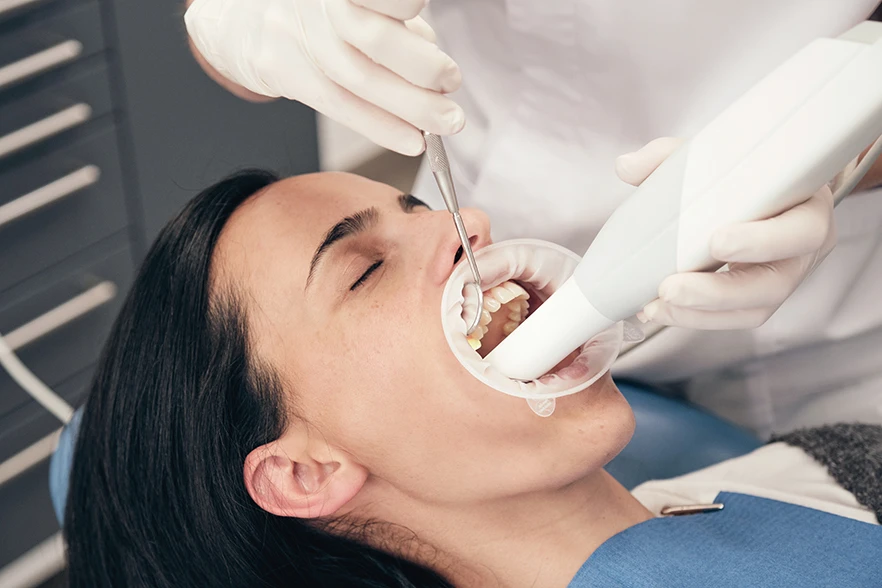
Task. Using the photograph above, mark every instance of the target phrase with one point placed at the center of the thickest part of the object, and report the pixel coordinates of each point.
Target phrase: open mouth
(517, 278)
(505, 307)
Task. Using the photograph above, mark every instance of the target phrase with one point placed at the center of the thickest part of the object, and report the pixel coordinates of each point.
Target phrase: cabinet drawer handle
(10, 5)
(43, 129)
(39, 62)
(37, 565)
(61, 315)
(51, 192)
(29, 457)
(40, 326)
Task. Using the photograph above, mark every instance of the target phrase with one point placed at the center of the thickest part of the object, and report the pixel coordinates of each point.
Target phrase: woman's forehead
(290, 209)
(284, 223)
(314, 201)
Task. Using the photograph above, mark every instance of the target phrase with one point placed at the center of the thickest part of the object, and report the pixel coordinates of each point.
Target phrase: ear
(290, 478)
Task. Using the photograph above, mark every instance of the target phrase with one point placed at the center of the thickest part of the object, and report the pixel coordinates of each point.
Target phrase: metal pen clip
(678, 511)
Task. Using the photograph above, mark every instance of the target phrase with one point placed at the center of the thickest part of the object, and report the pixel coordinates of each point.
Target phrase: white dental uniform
(555, 90)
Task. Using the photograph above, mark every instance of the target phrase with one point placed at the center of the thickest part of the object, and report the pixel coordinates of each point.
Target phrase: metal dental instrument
(440, 167)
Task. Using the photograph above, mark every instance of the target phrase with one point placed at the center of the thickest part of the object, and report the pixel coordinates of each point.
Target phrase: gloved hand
(767, 259)
(372, 65)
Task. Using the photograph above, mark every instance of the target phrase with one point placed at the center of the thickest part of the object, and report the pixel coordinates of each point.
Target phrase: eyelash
(367, 274)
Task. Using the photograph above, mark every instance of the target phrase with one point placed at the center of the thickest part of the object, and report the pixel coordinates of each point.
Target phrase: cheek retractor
(543, 267)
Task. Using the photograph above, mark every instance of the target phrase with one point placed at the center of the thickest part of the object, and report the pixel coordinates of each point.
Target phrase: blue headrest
(62, 460)
(672, 438)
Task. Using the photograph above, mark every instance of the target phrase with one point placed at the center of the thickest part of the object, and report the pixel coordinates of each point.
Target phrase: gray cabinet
(107, 127)
(184, 131)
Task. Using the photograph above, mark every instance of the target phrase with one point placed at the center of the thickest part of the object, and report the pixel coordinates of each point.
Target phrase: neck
(539, 539)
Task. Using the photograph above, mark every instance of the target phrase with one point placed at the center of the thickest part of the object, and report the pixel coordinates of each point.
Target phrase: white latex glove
(371, 65)
(767, 259)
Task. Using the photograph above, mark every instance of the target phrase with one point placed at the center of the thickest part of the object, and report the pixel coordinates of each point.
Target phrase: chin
(598, 417)
(585, 432)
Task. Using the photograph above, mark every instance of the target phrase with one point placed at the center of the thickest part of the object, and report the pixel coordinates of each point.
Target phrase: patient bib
(751, 542)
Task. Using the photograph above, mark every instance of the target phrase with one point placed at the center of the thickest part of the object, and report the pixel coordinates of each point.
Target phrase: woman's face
(341, 279)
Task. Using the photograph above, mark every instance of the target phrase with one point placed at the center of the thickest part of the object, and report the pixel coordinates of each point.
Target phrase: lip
(573, 369)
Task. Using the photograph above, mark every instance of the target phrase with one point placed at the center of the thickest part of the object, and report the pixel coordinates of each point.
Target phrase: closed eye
(367, 274)
(407, 202)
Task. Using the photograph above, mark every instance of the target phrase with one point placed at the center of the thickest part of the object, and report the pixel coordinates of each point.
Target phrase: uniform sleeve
(851, 453)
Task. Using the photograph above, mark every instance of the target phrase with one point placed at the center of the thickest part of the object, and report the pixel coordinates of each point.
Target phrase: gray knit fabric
(851, 453)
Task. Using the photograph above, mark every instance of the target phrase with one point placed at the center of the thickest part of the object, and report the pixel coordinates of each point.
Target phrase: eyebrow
(352, 225)
(408, 202)
(359, 222)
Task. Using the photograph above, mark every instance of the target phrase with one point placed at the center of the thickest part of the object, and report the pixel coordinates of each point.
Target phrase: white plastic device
(769, 151)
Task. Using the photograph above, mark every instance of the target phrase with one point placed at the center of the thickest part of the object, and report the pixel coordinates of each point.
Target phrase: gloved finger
(419, 107)
(393, 45)
(707, 320)
(378, 125)
(422, 28)
(634, 168)
(743, 287)
(397, 9)
(801, 230)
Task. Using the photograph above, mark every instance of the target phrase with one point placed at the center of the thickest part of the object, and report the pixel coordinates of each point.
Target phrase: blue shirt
(751, 542)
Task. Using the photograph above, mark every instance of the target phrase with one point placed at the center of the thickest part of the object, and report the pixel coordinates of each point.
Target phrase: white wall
(341, 149)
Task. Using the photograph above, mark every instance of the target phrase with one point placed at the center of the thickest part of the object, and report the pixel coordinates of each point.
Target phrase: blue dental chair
(672, 438)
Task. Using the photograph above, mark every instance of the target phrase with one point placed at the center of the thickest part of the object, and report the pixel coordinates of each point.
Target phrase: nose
(448, 251)
(477, 225)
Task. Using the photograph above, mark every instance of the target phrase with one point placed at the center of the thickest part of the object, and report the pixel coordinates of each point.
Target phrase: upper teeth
(508, 300)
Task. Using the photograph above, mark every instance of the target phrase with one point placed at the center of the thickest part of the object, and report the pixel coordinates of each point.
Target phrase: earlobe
(290, 485)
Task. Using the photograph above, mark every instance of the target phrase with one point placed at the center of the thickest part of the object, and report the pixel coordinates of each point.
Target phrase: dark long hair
(157, 496)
